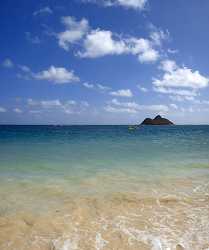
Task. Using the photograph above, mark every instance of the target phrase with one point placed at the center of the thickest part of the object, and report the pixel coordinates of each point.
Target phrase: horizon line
(80, 124)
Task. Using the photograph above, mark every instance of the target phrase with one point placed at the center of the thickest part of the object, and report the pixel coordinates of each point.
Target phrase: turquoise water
(89, 160)
(82, 151)
(43, 168)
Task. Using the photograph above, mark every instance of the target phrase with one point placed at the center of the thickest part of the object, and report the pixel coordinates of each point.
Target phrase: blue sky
(104, 61)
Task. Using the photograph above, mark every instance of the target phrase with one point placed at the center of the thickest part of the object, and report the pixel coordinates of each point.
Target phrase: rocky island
(158, 120)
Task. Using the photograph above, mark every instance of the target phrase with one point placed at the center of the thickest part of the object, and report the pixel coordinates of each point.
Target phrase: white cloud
(75, 31)
(122, 93)
(96, 43)
(143, 89)
(188, 98)
(44, 103)
(98, 87)
(103, 87)
(7, 63)
(133, 107)
(132, 4)
(135, 4)
(2, 110)
(114, 106)
(25, 68)
(175, 91)
(180, 98)
(57, 75)
(45, 10)
(155, 108)
(101, 43)
(157, 35)
(112, 109)
(175, 76)
(168, 65)
(180, 83)
(67, 107)
(147, 56)
(174, 106)
(17, 110)
(143, 48)
(88, 85)
(50, 104)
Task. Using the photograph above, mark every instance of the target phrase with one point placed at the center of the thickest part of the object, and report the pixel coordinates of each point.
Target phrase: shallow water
(104, 187)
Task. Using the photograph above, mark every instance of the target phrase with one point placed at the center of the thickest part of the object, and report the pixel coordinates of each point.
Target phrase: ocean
(104, 187)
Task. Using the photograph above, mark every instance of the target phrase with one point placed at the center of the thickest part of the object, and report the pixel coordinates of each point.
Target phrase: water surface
(104, 187)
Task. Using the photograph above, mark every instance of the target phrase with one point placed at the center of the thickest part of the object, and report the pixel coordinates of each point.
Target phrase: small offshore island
(158, 120)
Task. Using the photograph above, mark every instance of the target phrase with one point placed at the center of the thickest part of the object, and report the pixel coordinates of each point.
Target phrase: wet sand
(173, 217)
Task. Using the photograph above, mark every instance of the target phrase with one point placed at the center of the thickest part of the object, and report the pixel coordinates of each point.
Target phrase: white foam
(100, 243)
(65, 244)
(156, 242)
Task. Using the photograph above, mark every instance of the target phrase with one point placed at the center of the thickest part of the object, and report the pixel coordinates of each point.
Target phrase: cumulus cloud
(44, 10)
(150, 55)
(183, 77)
(122, 93)
(96, 43)
(7, 63)
(132, 4)
(57, 75)
(100, 43)
(180, 83)
(75, 30)
(135, 4)
(2, 110)
(115, 106)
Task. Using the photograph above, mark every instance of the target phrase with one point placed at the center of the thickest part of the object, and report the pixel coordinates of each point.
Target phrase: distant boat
(132, 127)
